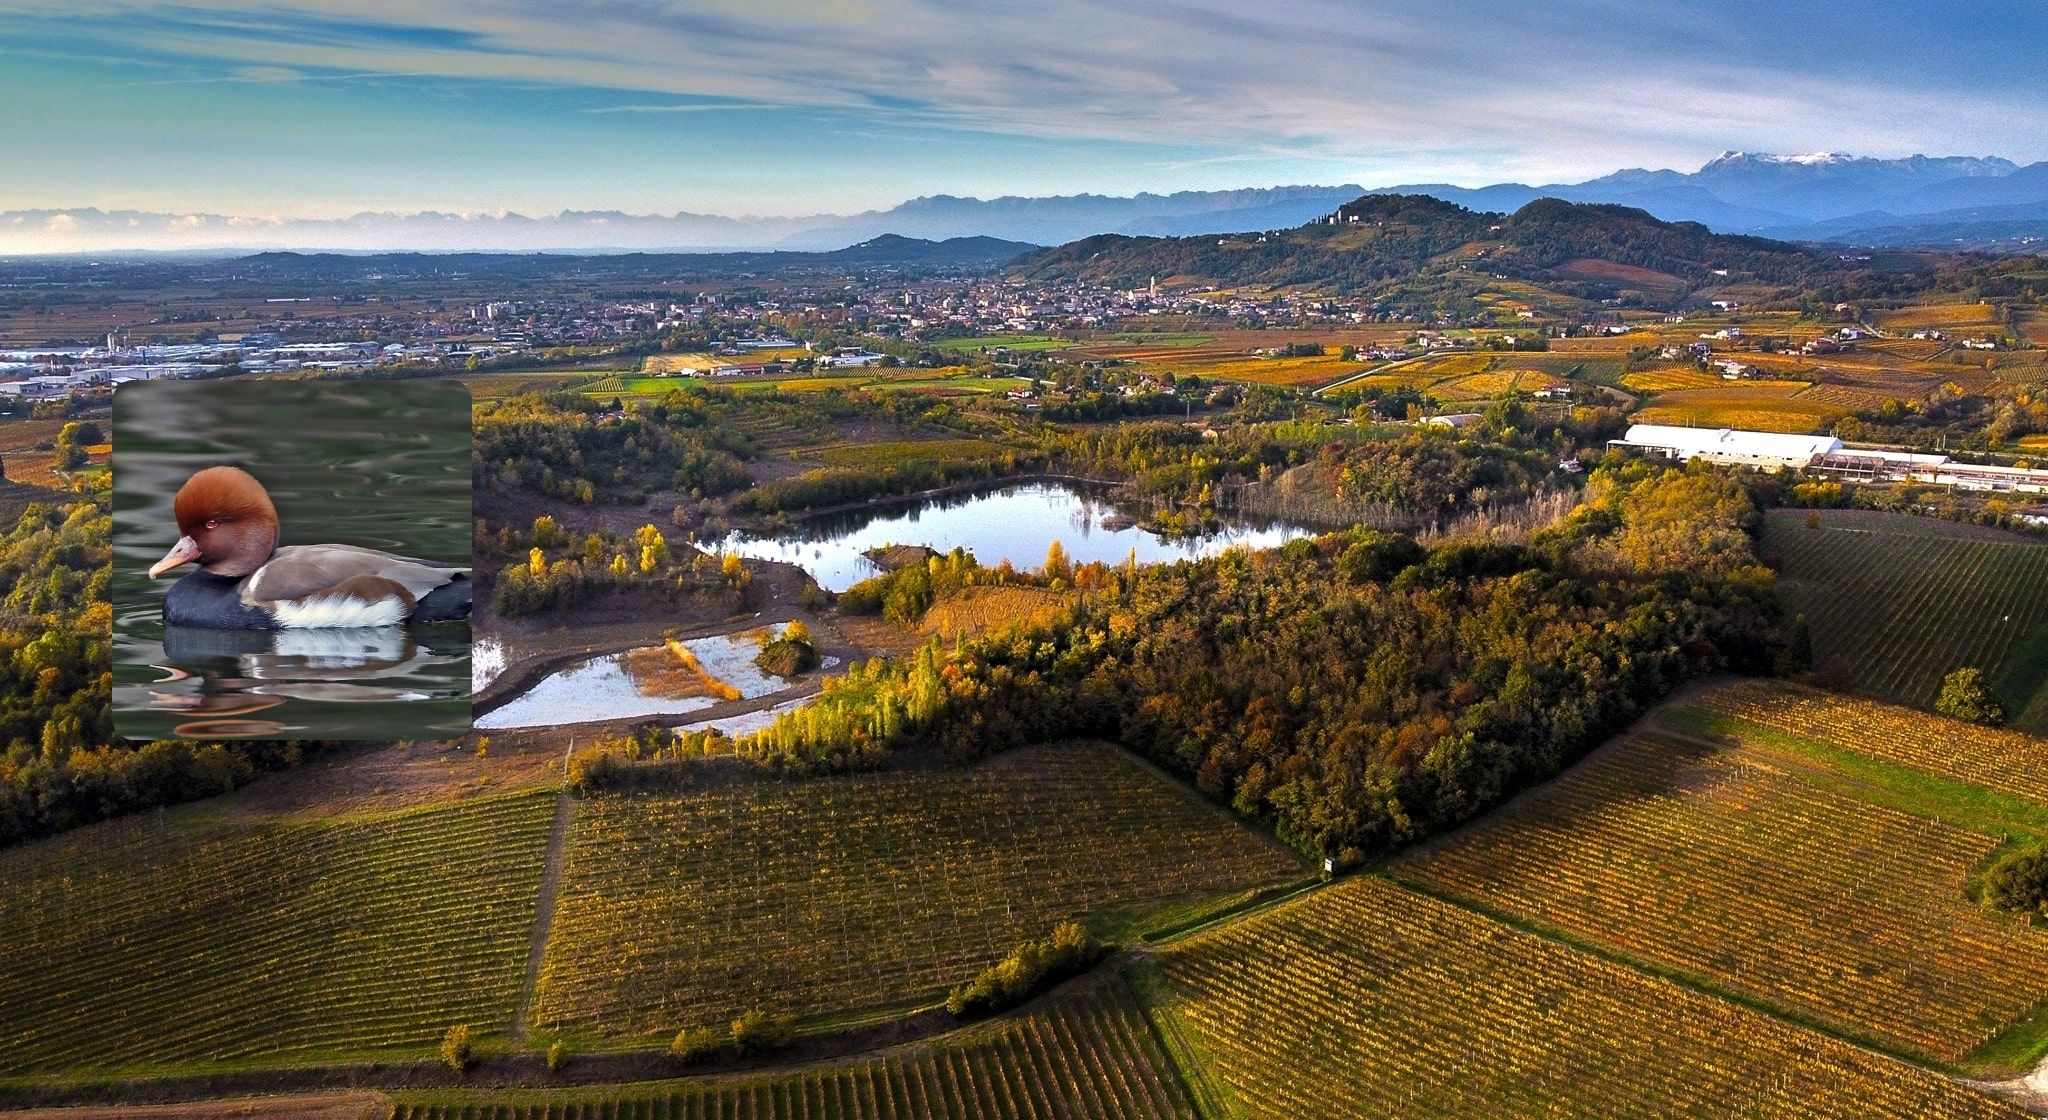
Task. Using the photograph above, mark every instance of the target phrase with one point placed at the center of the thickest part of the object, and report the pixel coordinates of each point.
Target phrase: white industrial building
(1825, 456)
(1770, 451)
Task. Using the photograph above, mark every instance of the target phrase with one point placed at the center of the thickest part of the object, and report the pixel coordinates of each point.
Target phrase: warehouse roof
(1732, 442)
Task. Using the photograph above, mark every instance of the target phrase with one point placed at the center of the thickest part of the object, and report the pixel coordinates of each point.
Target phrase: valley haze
(1967, 202)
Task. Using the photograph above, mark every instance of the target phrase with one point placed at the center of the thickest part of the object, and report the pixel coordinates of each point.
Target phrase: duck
(244, 581)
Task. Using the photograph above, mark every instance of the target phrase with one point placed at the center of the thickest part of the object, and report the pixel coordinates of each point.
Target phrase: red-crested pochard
(246, 582)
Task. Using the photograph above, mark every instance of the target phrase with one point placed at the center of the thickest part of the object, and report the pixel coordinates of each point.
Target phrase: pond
(648, 681)
(383, 465)
(1017, 523)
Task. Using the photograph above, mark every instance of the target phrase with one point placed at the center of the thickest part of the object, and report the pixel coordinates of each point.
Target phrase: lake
(1017, 523)
(379, 464)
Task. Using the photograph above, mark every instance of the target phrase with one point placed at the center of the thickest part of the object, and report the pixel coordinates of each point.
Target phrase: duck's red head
(228, 522)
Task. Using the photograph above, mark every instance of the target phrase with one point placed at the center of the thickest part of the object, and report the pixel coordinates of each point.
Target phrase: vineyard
(1894, 604)
(906, 451)
(1741, 869)
(173, 940)
(1665, 379)
(1367, 1000)
(1771, 406)
(1086, 1055)
(2005, 761)
(826, 895)
(1285, 372)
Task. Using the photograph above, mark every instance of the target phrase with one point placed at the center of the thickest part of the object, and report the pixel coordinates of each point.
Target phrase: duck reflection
(214, 675)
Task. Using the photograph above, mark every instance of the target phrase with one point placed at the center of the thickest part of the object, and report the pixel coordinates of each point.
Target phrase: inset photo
(291, 559)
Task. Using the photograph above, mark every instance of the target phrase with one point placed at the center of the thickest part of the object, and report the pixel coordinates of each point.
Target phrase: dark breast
(215, 602)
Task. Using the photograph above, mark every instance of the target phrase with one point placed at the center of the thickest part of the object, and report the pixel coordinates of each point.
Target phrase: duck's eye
(213, 522)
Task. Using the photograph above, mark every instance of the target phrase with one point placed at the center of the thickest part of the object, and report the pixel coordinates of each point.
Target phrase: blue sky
(313, 108)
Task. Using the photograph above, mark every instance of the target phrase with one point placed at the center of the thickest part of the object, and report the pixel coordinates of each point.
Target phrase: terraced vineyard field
(1770, 406)
(1895, 603)
(495, 386)
(899, 452)
(821, 896)
(184, 939)
(1085, 1055)
(2005, 761)
(1741, 868)
(1367, 1000)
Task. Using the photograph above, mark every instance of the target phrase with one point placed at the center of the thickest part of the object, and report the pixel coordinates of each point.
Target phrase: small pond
(643, 682)
(1017, 523)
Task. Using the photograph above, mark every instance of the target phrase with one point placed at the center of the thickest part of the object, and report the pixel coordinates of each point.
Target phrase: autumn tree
(458, 1049)
(1965, 697)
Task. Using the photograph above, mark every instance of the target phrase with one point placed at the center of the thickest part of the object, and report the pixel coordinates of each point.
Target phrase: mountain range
(1941, 201)
(1421, 249)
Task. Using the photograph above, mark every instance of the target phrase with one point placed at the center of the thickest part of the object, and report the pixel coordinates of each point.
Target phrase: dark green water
(380, 464)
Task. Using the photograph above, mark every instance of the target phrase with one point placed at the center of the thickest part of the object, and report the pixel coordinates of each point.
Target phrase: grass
(1803, 895)
(1895, 604)
(823, 896)
(1086, 1054)
(192, 940)
(1366, 999)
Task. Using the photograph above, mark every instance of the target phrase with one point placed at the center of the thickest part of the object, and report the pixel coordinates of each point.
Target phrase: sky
(323, 108)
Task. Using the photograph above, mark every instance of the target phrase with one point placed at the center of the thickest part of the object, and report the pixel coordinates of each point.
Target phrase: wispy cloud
(1362, 90)
(684, 107)
(1563, 86)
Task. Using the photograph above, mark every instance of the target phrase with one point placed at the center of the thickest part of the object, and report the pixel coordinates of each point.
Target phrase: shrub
(787, 656)
(558, 1053)
(458, 1050)
(758, 1031)
(592, 769)
(2017, 881)
(695, 1043)
(1029, 969)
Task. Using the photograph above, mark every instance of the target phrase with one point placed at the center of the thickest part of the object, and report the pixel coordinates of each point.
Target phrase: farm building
(1769, 451)
(1863, 465)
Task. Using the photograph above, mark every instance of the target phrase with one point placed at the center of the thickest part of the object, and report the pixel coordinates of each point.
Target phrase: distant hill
(1379, 238)
(1930, 200)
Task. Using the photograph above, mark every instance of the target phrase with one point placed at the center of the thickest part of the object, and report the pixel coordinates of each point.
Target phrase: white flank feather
(323, 611)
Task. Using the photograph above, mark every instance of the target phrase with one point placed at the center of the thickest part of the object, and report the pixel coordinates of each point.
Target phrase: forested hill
(1381, 238)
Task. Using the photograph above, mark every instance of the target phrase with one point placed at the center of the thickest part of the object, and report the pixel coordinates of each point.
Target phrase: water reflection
(1015, 523)
(213, 675)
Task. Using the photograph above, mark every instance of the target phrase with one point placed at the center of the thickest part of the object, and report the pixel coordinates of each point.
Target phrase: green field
(191, 939)
(1086, 1054)
(1369, 1000)
(1897, 602)
(824, 896)
(1017, 342)
(1832, 892)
